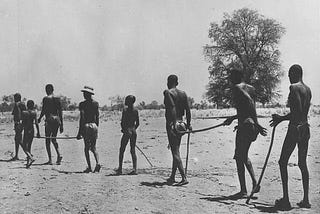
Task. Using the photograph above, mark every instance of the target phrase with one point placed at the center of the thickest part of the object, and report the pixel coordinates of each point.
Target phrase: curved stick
(202, 130)
(264, 166)
(62, 138)
(188, 143)
(144, 155)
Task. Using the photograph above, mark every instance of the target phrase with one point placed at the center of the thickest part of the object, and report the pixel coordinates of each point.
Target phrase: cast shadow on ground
(69, 172)
(155, 184)
(229, 200)
(265, 208)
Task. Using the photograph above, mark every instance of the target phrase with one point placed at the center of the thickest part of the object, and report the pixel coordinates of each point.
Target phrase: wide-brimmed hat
(88, 89)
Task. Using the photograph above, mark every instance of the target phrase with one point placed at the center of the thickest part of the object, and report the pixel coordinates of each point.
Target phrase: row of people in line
(176, 107)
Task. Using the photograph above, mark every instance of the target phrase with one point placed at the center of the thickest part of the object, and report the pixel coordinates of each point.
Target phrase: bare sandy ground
(211, 172)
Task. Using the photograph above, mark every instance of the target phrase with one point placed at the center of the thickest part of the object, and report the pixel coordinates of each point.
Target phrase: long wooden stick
(62, 138)
(264, 166)
(188, 145)
(202, 130)
(144, 155)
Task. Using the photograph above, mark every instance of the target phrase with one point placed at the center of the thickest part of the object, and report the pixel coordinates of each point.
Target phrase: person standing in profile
(247, 130)
(298, 134)
(51, 109)
(29, 117)
(19, 106)
(176, 105)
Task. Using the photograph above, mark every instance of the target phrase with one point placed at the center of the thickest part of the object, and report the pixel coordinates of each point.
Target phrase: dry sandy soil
(211, 172)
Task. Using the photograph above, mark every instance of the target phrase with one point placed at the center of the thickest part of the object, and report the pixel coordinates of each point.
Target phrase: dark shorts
(90, 134)
(244, 137)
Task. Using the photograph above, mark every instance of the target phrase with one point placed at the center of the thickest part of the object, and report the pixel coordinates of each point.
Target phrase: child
(88, 126)
(129, 124)
(28, 117)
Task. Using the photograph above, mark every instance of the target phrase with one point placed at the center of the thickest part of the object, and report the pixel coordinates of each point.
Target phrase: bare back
(177, 98)
(299, 102)
(243, 96)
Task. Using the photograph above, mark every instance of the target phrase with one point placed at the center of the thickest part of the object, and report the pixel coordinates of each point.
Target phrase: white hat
(88, 89)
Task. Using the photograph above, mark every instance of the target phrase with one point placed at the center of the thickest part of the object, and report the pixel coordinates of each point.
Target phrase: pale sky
(130, 47)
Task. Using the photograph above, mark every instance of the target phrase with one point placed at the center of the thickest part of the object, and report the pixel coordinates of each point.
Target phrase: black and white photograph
(159, 106)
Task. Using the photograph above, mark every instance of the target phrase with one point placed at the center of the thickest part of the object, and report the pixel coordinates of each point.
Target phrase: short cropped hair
(17, 96)
(49, 87)
(173, 79)
(30, 104)
(296, 70)
(130, 99)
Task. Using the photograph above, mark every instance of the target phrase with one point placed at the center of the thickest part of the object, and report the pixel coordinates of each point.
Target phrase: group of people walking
(176, 107)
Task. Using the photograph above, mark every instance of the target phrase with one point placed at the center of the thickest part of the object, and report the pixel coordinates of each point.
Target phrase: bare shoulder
(95, 103)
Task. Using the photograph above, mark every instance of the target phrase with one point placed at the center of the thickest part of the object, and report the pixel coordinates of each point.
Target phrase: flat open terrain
(211, 172)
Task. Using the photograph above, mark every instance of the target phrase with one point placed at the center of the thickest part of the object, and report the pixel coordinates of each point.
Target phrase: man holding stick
(51, 108)
(298, 134)
(247, 130)
(176, 104)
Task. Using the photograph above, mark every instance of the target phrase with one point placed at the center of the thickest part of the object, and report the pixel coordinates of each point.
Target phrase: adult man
(51, 109)
(298, 133)
(88, 127)
(247, 129)
(17, 119)
(176, 104)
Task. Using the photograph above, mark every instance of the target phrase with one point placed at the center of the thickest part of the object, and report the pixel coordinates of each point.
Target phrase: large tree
(247, 41)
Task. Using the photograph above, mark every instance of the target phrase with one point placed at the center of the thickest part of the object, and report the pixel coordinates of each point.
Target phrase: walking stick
(61, 138)
(144, 155)
(188, 144)
(264, 166)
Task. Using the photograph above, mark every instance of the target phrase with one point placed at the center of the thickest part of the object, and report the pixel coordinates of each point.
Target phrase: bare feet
(87, 170)
(171, 181)
(30, 162)
(182, 183)
(283, 204)
(97, 168)
(304, 204)
(59, 160)
(133, 173)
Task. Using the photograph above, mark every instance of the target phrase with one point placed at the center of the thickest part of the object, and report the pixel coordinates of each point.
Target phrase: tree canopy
(248, 41)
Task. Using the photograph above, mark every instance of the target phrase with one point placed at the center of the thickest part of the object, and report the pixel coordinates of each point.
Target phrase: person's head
(236, 76)
(30, 104)
(49, 89)
(172, 81)
(129, 100)
(87, 92)
(17, 97)
(295, 73)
